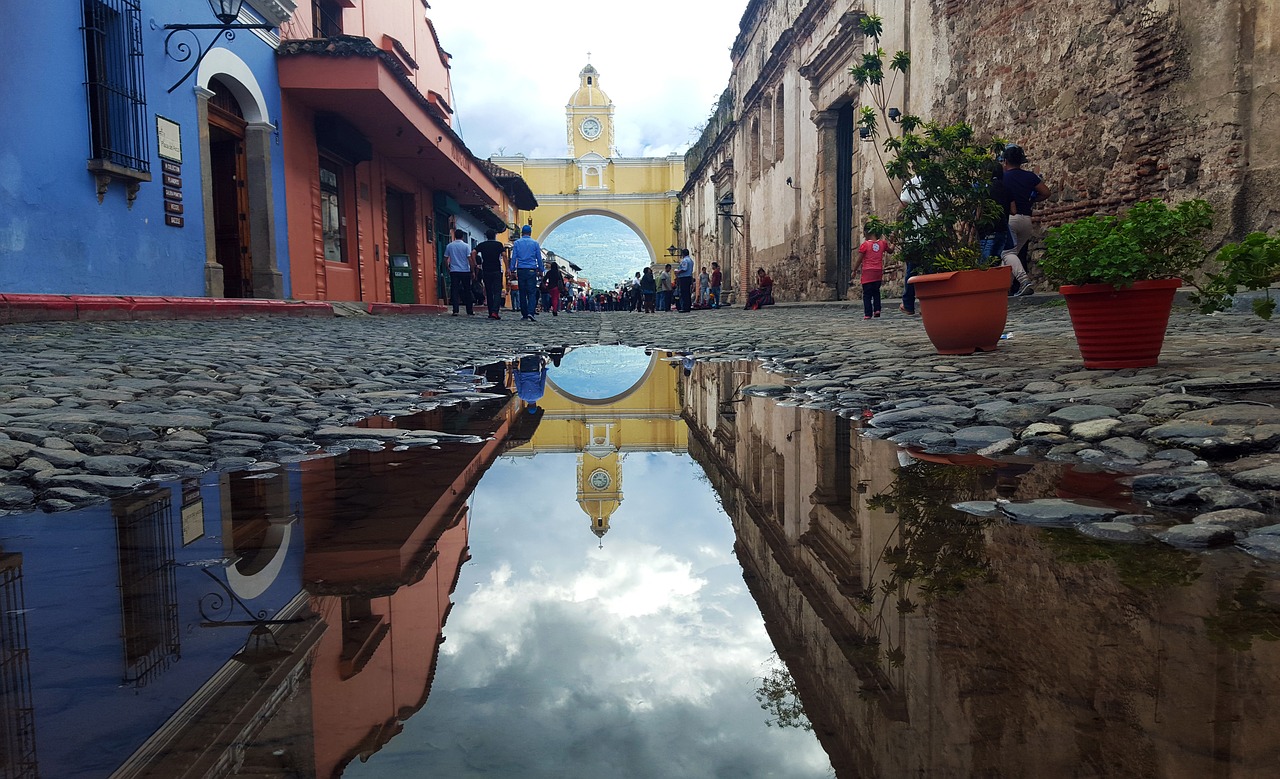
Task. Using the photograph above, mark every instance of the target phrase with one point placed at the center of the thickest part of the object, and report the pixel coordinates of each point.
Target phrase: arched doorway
(228, 174)
(608, 247)
(237, 178)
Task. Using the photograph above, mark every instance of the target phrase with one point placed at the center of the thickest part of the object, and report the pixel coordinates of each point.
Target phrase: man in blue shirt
(458, 252)
(684, 278)
(526, 259)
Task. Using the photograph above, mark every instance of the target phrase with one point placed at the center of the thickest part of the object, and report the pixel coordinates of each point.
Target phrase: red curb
(95, 308)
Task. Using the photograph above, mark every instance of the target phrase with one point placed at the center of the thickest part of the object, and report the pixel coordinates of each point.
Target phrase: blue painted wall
(87, 722)
(54, 235)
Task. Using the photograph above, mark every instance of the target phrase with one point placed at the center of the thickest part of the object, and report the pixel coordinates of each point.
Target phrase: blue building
(124, 169)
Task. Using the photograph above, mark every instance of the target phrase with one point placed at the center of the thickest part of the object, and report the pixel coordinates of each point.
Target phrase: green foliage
(1244, 616)
(939, 549)
(1254, 264)
(1149, 241)
(944, 168)
(1143, 566)
(777, 695)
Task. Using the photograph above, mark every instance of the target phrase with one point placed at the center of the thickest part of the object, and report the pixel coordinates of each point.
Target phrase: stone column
(825, 196)
(268, 282)
(213, 276)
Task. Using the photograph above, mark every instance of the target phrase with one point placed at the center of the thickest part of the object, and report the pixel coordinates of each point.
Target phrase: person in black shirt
(490, 251)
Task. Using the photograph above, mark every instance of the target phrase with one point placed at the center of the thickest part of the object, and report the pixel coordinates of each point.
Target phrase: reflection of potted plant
(944, 169)
(1254, 264)
(1119, 275)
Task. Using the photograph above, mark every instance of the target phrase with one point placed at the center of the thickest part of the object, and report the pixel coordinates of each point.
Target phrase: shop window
(333, 209)
(115, 91)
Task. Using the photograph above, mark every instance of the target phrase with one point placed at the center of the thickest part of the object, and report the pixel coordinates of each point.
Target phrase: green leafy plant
(1253, 263)
(1149, 241)
(777, 694)
(943, 169)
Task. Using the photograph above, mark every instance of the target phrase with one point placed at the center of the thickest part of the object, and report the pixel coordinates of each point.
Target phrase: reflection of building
(386, 539)
(642, 418)
(1055, 657)
(640, 192)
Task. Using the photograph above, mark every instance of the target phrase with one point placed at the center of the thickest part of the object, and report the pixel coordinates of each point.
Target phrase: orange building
(375, 174)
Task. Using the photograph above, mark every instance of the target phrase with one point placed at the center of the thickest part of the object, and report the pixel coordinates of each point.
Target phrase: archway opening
(607, 249)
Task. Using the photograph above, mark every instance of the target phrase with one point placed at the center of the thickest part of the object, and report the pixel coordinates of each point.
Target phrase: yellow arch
(571, 215)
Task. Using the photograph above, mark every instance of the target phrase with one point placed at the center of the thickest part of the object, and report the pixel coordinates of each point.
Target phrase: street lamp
(672, 251)
(226, 12)
(725, 206)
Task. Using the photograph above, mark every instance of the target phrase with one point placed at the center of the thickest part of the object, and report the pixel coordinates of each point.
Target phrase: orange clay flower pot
(964, 311)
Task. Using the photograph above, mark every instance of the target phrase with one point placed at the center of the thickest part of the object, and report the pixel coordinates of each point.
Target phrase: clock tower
(589, 117)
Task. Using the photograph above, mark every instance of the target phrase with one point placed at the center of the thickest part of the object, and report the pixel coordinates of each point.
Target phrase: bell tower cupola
(589, 117)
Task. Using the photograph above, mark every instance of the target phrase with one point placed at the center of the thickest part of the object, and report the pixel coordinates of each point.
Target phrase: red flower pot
(964, 311)
(1121, 327)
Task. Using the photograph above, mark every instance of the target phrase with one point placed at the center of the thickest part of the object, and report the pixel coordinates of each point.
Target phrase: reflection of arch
(253, 573)
(550, 228)
(648, 371)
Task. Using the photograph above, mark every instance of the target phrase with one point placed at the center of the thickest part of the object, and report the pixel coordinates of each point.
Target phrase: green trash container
(401, 279)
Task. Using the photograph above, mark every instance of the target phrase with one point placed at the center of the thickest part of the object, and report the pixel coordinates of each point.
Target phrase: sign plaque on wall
(169, 140)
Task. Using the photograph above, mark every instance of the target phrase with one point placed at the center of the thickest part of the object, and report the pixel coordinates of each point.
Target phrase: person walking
(488, 255)
(704, 287)
(913, 193)
(684, 278)
(716, 280)
(871, 262)
(1024, 188)
(664, 289)
(553, 280)
(458, 253)
(526, 258)
(648, 290)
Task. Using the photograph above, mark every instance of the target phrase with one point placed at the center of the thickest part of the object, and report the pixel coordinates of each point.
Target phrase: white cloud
(515, 64)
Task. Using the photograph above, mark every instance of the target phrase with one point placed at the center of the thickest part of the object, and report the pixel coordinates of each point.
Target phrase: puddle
(545, 571)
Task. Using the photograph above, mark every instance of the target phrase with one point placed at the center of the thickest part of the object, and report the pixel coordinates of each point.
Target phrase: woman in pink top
(871, 261)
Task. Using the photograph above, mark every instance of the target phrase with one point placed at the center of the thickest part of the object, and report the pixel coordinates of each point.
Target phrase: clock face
(600, 480)
(590, 128)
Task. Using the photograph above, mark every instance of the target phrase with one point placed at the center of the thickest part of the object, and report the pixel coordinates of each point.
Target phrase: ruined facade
(1114, 101)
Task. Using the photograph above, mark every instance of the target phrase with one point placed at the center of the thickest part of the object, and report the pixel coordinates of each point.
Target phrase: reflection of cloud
(563, 659)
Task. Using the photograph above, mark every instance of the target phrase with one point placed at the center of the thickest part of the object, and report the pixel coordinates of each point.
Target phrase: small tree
(944, 169)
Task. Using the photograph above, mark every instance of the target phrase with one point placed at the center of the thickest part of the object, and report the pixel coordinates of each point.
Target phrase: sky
(515, 64)
(569, 656)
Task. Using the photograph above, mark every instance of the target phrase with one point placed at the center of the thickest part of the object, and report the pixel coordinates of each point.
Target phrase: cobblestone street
(87, 409)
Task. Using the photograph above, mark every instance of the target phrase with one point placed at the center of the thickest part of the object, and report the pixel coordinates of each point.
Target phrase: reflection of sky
(563, 659)
(599, 372)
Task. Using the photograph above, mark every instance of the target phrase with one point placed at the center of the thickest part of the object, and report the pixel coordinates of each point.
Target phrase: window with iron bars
(326, 18)
(115, 89)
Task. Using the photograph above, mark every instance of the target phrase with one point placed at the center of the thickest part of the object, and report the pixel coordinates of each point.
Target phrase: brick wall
(1113, 100)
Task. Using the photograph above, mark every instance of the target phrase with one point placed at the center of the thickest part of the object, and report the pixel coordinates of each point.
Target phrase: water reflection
(927, 642)
(573, 584)
(292, 621)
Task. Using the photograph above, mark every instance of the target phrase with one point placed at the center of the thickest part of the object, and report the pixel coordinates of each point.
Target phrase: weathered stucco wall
(1114, 101)
(1119, 100)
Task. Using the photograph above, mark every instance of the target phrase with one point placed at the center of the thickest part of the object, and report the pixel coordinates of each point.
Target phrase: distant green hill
(606, 249)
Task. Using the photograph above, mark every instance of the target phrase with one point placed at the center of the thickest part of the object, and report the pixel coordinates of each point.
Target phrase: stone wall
(1118, 100)
(1114, 101)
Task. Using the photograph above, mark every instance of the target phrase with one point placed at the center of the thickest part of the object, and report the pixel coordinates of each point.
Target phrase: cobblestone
(191, 395)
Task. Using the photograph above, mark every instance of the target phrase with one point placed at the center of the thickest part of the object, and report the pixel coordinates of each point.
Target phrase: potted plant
(943, 170)
(1253, 263)
(1119, 274)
